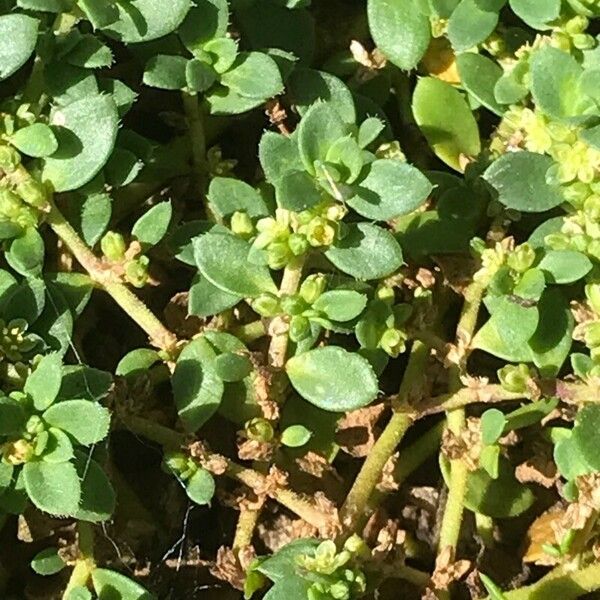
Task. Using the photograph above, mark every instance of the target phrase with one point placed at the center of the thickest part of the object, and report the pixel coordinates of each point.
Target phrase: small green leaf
(200, 488)
(233, 367)
(520, 180)
(341, 305)
(253, 75)
(146, 20)
(86, 131)
(101, 13)
(223, 260)
(369, 131)
(295, 436)
(35, 140)
(206, 299)
(400, 30)
(390, 189)
(297, 191)
(565, 266)
(12, 416)
(278, 155)
(319, 129)
(44, 383)
(586, 433)
(207, 20)
(493, 422)
(470, 24)
(492, 589)
(166, 72)
(84, 382)
(137, 361)
(366, 252)
(153, 225)
(58, 447)
(48, 562)
(196, 386)
(79, 593)
(199, 76)
(18, 37)
(333, 379)
(111, 585)
(98, 498)
(536, 13)
(26, 253)
(54, 488)
(479, 76)
(447, 122)
(90, 53)
(88, 422)
(228, 195)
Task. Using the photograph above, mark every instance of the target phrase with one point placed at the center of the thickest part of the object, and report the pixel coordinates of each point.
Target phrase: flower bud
(10, 204)
(386, 294)
(176, 462)
(312, 287)
(293, 305)
(514, 378)
(557, 241)
(319, 232)
(299, 328)
(392, 342)
(521, 258)
(17, 453)
(266, 305)
(593, 249)
(259, 430)
(298, 244)
(10, 159)
(34, 425)
(113, 246)
(33, 192)
(279, 255)
(136, 271)
(241, 224)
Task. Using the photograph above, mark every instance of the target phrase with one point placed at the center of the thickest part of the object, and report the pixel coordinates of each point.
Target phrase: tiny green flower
(514, 378)
(259, 430)
(113, 246)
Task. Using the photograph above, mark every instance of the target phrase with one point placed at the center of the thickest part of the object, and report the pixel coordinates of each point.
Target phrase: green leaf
(585, 435)
(26, 253)
(278, 155)
(200, 487)
(54, 488)
(227, 195)
(199, 76)
(446, 120)
(59, 448)
(26, 300)
(520, 180)
(223, 260)
(79, 593)
(565, 266)
(153, 225)
(137, 361)
(470, 24)
(43, 384)
(369, 131)
(493, 422)
(84, 382)
(400, 30)
(366, 252)
(479, 76)
(309, 86)
(492, 589)
(196, 386)
(92, 216)
(283, 564)
(98, 498)
(319, 129)
(231, 366)
(88, 422)
(110, 585)
(166, 72)
(90, 53)
(225, 101)
(207, 20)
(333, 379)
(206, 299)
(390, 189)
(35, 140)
(6, 473)
(555, 82)
(18, 37)
(341, 305)
(295, 436)
(253, 75)
(146, 20)
(48, 562)
(86, 131)
(569, 458)
(536, 13)
(101, 13)
(54, 6)
(297, 191)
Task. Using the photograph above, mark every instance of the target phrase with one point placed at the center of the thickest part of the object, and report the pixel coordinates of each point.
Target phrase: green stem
(85, 564)
(290, 283)
(197, 139)
(166, 437)
(488, 394)
(159, 335)
(353, 510)
(244, 531)
(560, 585)
(457, 486)
(250, 332)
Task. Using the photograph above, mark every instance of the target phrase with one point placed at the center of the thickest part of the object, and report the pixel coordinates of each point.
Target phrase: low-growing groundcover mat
(299, 299)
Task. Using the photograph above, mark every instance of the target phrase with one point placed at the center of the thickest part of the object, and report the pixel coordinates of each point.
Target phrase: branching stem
(197, 136)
